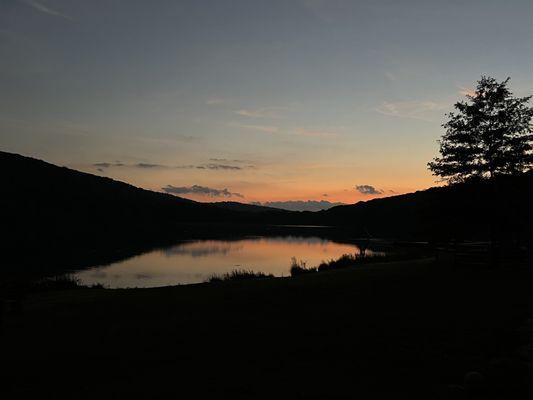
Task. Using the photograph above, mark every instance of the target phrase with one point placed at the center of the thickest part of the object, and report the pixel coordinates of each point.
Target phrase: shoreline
(410, 327)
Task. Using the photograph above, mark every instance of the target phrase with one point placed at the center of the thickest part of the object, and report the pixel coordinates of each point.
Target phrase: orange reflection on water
(196, 261)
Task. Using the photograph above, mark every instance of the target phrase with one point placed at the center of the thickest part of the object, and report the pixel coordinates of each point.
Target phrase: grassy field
(406, 328)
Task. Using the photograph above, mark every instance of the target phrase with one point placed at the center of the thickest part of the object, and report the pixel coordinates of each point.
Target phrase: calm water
(196, 261)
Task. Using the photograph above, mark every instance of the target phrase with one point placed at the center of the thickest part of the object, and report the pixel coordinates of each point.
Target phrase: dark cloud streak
(368, 190)
(146, 165)
(221, 166)
(201, 190)
(210, 166)
(226, 160)
(108, 165)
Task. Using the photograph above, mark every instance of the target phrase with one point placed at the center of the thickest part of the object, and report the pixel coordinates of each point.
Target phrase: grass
(350, 260)
(299, 267)
(61, 282)
(399, 329)
(238, 275)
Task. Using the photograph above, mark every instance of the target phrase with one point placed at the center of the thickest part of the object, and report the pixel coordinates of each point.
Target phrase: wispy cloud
(466, 91)
(230, 163)
(265, 112)
(314, 133)
(46, 10)
(148, 165)
(299, 131)
(368, 190)
(214, 100)
(200, 190)
(144, 165)
(258, 128)
(226, 160)
(410, 109)
(220, 166)
(137, 165)
(101, 165)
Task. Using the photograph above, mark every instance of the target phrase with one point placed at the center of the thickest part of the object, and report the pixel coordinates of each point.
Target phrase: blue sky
(271, 100)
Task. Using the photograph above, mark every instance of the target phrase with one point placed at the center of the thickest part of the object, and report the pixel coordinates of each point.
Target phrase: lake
(196, 261)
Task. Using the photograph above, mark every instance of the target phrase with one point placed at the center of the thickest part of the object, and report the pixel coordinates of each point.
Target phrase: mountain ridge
(73, 204)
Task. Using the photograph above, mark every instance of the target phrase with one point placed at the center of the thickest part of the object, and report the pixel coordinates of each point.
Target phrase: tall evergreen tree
(489, 134)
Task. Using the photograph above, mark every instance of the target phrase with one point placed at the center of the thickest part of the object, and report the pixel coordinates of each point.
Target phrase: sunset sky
(252, 101)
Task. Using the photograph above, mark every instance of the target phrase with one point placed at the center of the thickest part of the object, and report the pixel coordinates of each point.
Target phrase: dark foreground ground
(398, 330)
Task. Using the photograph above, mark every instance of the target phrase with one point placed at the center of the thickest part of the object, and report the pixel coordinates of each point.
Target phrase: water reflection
(203, 248)
(196, 261)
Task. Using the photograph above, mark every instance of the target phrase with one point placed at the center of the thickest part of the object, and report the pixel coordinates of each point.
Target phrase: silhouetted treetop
(489, 134)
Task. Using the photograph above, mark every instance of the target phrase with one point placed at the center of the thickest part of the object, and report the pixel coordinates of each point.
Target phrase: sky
(252, 101)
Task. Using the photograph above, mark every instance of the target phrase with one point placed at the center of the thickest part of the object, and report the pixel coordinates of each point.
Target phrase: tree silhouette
(489, 134)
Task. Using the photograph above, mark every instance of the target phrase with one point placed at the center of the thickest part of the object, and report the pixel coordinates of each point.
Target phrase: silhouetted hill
(42, 192)
(44, 206)
(242, 207)
(463, 211)
(300, 205)
(49, 209)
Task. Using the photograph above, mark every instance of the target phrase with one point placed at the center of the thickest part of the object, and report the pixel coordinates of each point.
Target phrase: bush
(298, 267)
(344, 261)
(349, 260)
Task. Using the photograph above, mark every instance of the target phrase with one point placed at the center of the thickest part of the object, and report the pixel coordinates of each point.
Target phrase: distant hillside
(463, 211)
(300, 205)
(242, 207)
(46, 206)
